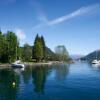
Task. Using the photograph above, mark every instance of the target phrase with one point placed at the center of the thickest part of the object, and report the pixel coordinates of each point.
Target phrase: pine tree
(33, 49)
(38, 49)
(44, 47)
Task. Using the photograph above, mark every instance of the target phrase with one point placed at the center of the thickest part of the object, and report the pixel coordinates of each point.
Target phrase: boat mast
(16, 52)
(96, 55)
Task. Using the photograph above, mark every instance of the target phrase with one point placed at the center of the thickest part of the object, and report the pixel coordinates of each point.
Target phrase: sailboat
(17, 63)
(96, 61)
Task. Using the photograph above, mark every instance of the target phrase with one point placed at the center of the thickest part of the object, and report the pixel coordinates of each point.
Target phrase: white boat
(17, 64)
(96, 61)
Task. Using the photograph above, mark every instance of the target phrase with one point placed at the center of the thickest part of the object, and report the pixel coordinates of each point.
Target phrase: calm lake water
(79, 81)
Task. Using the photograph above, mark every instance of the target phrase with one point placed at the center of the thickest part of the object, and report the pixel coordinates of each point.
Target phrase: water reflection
(18, 70)
(27, 73)
(56, 81)
(39, 78)
(61, 71)
(96, 66)
(40, 74)
(7, 90)
(37, 74)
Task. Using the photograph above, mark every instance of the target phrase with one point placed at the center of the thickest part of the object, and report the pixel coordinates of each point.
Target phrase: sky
(73, 23)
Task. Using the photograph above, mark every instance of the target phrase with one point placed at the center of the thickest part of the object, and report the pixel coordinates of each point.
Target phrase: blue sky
(73, 23)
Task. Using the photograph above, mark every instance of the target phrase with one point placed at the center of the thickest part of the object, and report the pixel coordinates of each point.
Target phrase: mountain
(76, 56)
(49, 52)
(92, 56)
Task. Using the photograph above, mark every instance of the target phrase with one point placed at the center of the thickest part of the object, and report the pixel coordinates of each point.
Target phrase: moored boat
(17, 64)
(96, 62)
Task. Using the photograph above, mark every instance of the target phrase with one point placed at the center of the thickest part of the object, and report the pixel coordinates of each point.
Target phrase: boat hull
(17, 65)
(95, 62)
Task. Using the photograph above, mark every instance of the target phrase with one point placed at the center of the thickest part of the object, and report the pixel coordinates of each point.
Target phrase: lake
(78, 81)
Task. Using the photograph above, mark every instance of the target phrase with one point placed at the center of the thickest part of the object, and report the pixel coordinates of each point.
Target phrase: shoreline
(3, 66)
(37, 64)
(42, 63)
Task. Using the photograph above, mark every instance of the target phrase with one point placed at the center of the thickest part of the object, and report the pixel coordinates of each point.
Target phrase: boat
(17, 64)
(96, 61)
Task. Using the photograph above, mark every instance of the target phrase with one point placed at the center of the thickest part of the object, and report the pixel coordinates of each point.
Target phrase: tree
(27, 52)
(61, 53)
(33, 49)
(1, 40)
(3, 48)
(38, 49)
(44, 47)
(41, 51)
(12, 46)
(8, 47)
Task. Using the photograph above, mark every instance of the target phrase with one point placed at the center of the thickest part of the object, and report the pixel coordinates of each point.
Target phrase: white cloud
(20, 34)
(79, 12)
(76, 13)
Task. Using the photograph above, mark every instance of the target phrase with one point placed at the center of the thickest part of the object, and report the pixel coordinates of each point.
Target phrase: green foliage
(44, 47)
(4, 48)
(8, 47)
(41, 52)
(49, 55)
(38, 49)
(1, 41)
(27, 52)
(12, 46)
(10, 50)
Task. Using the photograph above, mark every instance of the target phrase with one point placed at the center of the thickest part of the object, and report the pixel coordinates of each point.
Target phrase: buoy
(13, 83)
